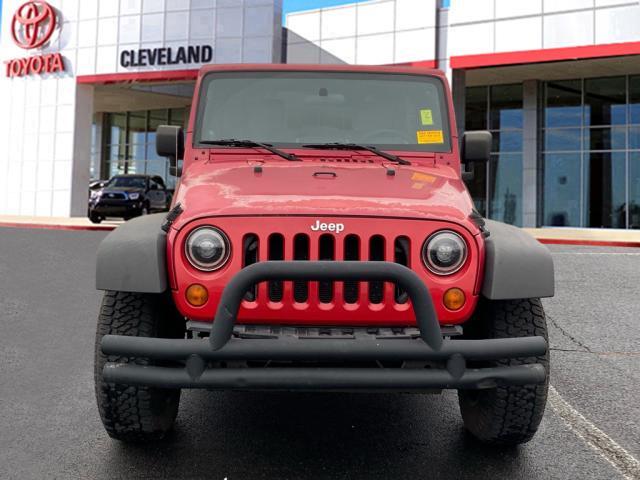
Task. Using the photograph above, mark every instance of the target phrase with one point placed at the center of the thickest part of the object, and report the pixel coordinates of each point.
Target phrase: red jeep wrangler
(321, 238)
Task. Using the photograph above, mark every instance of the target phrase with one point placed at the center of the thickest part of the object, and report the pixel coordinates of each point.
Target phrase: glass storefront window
(496, 188)
(633, 187)
(475, 116)
(605, 138)
(136, 165)
(505, 188)
(505, 107)
(634, 138)
(156, 168)
(634, 100)
(93, 169)
(605, 192)
(605, 101)
(156, 118)
(118, 127)
(137, 127)
(115, 155)
(96, 142)
(130, 139)
(137, 152)
(563, 104)
(477, 187)
(152, 155)
(588, 139)
(507, 141)
(177, 117)
(562, 139)
(561, 207)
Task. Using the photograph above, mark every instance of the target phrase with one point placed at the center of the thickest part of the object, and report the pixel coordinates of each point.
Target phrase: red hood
(362, 186)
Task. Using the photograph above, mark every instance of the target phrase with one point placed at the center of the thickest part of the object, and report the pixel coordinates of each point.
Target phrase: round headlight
(207, 248)
(444, 252)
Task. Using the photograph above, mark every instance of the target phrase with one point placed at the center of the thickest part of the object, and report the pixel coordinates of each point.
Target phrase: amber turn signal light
(454, 299)
(197, 295)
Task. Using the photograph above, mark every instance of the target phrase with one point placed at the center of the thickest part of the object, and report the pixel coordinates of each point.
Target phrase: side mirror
(170, 143)
(476, 146)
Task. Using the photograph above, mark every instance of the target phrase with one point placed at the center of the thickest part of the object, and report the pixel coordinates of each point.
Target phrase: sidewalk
(557, 235)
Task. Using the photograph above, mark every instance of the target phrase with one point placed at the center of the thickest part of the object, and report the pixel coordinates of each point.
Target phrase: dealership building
(85, 83)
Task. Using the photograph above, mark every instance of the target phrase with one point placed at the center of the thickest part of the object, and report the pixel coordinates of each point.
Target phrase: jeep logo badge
(327, 227)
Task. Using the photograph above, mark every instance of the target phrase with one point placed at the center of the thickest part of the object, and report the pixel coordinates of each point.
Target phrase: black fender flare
(133, 257)
(516, 264)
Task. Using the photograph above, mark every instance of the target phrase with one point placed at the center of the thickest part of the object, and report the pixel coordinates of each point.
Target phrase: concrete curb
(52, 226)
(585, 236)
(56, 223)
(593, 243)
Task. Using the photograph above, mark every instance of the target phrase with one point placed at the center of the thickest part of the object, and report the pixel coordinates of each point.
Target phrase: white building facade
(557, 82)
(48, 131)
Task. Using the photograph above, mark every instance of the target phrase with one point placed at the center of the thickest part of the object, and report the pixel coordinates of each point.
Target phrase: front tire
(506, 415)
(95, 218)
(130, 413)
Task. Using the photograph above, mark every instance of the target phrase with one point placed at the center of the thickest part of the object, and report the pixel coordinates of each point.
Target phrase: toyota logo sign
(31, 27)
(33, 24)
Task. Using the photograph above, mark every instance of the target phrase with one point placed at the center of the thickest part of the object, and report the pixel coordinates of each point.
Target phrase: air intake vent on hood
(342, 160)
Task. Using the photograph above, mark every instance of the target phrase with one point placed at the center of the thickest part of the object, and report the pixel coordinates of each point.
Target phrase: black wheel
(507, 415)
(95, 218)
(131, 413)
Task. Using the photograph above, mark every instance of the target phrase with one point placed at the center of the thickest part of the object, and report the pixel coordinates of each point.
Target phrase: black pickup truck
(128, 196)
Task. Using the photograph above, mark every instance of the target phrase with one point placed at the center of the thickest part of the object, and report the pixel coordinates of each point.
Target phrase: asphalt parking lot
(49, 425)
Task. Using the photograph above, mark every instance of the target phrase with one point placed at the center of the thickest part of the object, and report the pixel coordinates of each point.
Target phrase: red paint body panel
(220, 187)
(226, 184)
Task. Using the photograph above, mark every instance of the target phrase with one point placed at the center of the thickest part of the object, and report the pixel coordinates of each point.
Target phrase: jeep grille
(328, 247)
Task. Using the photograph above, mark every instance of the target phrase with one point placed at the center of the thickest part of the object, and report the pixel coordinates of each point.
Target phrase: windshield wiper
(233, 142)
(356, 146)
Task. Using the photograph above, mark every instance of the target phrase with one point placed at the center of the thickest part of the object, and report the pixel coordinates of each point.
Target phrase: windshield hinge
(171, 217)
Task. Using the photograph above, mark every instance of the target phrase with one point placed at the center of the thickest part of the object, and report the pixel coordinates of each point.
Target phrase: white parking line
(599, 441)
(630, 254)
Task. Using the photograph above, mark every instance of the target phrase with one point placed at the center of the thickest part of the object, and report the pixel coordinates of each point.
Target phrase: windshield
(130, 182)
(388, 111)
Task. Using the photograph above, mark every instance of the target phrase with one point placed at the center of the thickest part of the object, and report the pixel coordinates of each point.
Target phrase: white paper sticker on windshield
(426, 116)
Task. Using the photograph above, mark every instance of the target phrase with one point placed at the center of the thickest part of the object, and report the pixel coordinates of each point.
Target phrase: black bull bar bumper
(193, 356)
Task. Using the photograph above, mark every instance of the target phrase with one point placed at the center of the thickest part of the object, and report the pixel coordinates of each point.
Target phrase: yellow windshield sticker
(430, 136)
(422, 177)
(426, 116)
